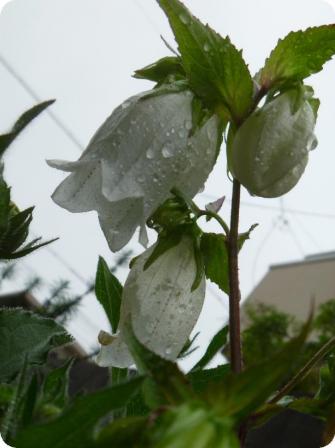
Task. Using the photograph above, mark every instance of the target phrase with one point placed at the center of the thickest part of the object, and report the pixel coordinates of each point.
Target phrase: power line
(10, 69)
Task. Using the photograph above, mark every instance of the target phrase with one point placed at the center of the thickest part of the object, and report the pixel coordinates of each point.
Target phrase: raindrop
(168, 351)
(125, 104)
(207, 47)
(188, 125)
(141, 179)
(182, 133)
(167, 151)
(150, 153)
(184, 18)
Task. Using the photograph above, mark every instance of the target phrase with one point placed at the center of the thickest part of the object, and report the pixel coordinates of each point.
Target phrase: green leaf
(171, 382)
(216, 344)
(11, 417)
(201, 379)
(215, 254)
(74, 428)
(122, 433)
(55, 387)
(27, 249)
(243, 237)
(240, 395)
(298, 55)
(4, 206)
(215, 68)
(162, 69)
(108, 291)
(192, 425)
(22, 122)
(24, 335)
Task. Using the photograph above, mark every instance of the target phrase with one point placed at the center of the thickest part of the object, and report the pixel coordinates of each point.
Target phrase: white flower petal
(119, 221)
(81, 191)
(160, 304)
(117, 349)
(142, 150)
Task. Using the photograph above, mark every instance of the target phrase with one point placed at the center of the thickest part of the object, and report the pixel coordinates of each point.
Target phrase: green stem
(216, 217)
(319, 355)
(234, 288)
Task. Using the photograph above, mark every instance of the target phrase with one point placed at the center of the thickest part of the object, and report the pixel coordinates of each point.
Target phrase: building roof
(293, 287)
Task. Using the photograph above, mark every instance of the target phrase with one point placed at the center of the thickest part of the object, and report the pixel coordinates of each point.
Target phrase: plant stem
(234, 288)
(298, 377)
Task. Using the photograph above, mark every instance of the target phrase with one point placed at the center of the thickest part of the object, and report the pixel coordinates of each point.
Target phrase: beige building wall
(293, 287)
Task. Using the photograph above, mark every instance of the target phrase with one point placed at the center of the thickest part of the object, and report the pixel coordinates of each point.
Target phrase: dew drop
(167, 151)
(188, 125)
(182, 133)
(125, 104)
(141, 179)
(184, 18)
(206, 47)
(150, 154)
(168, 351)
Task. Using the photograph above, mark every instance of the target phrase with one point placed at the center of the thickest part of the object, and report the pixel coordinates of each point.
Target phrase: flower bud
(142, 151)
(270, 150)
(160, 305)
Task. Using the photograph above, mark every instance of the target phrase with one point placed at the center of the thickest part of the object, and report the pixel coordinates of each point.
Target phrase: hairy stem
(234, 288)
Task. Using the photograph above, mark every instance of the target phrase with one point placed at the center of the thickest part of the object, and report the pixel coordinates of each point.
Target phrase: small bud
(270, 150)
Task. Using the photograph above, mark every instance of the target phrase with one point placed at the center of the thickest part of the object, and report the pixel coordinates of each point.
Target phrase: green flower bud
(270, 150)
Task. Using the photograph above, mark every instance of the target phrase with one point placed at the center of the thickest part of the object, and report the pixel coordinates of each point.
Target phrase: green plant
(142, 169)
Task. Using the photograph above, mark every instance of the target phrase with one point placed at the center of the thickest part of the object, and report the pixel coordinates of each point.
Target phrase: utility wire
(10, 69)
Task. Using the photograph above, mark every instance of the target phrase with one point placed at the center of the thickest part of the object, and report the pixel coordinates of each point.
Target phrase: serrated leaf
(215, 68)
(162, 69)
(171, 382)
(22, 122)
(74, 428)
(108, 290)
(298, 55)
(24, 335)
(216, 344)
(215, 254)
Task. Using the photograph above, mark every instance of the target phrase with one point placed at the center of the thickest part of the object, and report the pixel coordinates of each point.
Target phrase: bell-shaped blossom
(270, 150)
(160, 305)
(142, 151)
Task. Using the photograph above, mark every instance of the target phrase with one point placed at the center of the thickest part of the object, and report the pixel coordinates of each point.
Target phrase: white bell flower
(160, 305)
(142, 151)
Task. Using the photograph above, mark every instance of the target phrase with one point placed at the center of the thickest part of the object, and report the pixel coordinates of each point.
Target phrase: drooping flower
(159, 304)
(270, 150)
(142, 151)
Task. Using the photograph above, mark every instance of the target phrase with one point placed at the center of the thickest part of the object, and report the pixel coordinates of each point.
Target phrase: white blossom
(142, 151)
(159, 304)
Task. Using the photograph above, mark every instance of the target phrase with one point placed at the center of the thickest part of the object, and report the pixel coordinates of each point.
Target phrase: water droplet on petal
(184, 18)
(150, 153)
(167, 151)
(188, 125)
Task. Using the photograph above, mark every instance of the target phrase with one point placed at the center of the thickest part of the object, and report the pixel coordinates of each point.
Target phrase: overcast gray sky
(83, 52)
